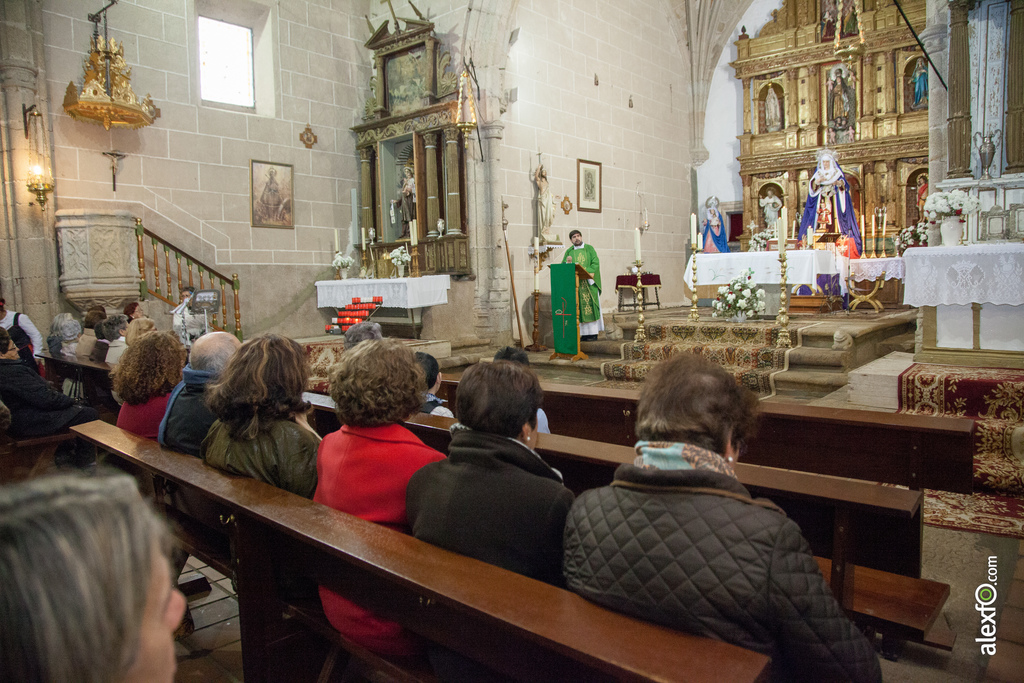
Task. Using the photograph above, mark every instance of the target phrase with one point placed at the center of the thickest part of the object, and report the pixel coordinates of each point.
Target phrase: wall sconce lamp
(40, 177)
(466, 121)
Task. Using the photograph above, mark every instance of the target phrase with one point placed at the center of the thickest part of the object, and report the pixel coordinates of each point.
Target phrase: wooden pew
(519, 626)
(28, 457)
(908, 450)
(867, 536)
(93, 376)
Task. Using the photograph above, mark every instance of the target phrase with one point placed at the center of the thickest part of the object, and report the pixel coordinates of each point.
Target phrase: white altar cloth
(864, 269)
(403, 292)
(953, 278)
(803, 267)
(977, 273)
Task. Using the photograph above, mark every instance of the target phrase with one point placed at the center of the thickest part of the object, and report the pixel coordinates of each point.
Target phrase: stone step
(814, 384)
(818, 357)
(903, 343)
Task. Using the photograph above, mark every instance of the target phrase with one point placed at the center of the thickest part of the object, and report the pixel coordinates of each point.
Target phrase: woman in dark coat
(37, 409)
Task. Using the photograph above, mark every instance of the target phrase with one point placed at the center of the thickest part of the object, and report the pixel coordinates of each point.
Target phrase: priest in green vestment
(585, 255)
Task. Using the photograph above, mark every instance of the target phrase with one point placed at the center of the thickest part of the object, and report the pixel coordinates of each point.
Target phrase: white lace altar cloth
(870, 269)
(803, 266)
(403, 292)
(976, 273)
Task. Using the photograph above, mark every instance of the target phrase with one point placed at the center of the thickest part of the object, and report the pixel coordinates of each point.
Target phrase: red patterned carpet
(994, 398)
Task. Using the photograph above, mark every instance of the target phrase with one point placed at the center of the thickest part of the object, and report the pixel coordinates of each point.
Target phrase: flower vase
(401, 269)
(740, 317)
(339, 273)
(934, 235)
(952, 229)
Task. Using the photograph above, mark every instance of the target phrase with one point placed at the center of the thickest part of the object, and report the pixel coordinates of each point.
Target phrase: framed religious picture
(271, 199)
(588, 186)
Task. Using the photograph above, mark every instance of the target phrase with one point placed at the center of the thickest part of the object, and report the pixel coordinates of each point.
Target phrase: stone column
(889, 82)
(959, 90)
(1013, 127)
(746, 105)
(749, 212)
(433, 210)
(870, 186)
(934, 38)
(366, 185)
(28, 263)
(453, 202)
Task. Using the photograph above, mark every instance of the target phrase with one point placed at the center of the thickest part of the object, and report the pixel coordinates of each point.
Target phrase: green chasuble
(586, 256)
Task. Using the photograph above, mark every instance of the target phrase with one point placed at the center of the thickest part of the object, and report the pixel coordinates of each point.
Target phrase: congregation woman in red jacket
(364, 467)
(144, 379)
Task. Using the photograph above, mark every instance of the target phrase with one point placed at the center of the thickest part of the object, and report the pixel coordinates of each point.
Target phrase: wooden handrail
(216, 278)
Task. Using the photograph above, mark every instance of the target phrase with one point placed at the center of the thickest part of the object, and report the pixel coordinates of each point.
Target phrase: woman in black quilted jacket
(677, 540)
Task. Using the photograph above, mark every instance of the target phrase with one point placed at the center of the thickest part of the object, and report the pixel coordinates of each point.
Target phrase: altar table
(402, 292)
(803, 267)
(972, 300)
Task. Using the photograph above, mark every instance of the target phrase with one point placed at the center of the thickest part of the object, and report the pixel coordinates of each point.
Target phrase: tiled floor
(213, 654)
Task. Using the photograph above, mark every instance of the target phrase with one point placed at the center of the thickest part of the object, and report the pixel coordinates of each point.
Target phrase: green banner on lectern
(563, 308)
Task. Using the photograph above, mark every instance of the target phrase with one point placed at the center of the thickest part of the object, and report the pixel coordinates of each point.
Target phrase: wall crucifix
(115, 157)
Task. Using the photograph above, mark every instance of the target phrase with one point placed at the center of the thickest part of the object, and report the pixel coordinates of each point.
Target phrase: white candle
(700, 241)
(364, 239)
(413, 233)
(636, 244)
(796, 228)
(536, 248)
(536, 280)
(693, 231)
(780, 232)
(354, 200)
(337, 241)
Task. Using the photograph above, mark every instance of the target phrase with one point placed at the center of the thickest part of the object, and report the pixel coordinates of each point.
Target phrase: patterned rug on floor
(985, 513)
(994, 398)
(747, 350)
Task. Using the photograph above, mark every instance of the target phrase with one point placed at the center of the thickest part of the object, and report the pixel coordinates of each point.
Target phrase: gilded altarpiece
(864, 96)
(412, 155)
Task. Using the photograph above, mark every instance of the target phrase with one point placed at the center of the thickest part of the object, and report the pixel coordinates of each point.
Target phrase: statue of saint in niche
(771, 205)
(406, 200)
(919, 83)
(842, 99)
(772, 112)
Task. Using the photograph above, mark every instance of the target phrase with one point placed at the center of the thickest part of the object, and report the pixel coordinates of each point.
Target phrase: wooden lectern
(565, 317)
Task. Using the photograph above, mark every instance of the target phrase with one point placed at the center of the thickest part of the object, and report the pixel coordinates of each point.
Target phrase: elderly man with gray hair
(187, 419)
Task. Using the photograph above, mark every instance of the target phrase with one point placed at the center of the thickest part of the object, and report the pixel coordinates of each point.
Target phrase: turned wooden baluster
(156, 269)
(238, 311)
(167, 266)
(142, 259)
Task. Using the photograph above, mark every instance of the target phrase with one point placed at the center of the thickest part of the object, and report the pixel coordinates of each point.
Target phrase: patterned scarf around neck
(668, 455)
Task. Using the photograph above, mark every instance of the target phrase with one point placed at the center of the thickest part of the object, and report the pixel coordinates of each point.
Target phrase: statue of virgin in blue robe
(713, 229)
(829, 202)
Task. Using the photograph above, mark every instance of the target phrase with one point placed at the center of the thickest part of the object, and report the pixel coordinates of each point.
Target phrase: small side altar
(972, 303)
(402, 292)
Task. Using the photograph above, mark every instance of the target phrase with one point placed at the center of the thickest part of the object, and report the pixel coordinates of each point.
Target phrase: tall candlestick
(693, 231)
(636, 244)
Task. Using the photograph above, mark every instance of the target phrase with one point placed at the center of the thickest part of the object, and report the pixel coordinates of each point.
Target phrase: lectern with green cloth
(565, 292)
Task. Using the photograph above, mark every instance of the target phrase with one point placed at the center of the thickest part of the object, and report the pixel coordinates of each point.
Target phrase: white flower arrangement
(400, 255)
(759, 242)
(911, 236)
(941, 205)
(741, 295)
(342, 261)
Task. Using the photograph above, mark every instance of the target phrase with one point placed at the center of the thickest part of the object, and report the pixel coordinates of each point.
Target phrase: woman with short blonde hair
(138, 328)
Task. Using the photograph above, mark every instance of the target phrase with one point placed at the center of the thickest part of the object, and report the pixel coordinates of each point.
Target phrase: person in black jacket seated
(37, 409)
(677, 540)
(494, 498)
(187, 419)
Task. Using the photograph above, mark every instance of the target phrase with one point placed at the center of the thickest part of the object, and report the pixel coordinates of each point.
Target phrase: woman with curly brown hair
(261, 430)
(364, 467)
(143, 380)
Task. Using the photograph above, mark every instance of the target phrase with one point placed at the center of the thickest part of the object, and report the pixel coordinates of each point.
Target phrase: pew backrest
(522, 627)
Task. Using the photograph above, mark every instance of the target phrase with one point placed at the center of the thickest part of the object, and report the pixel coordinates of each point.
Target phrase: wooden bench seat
(869, 535)
(917, 451)
(516, 625)
(28, 457)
